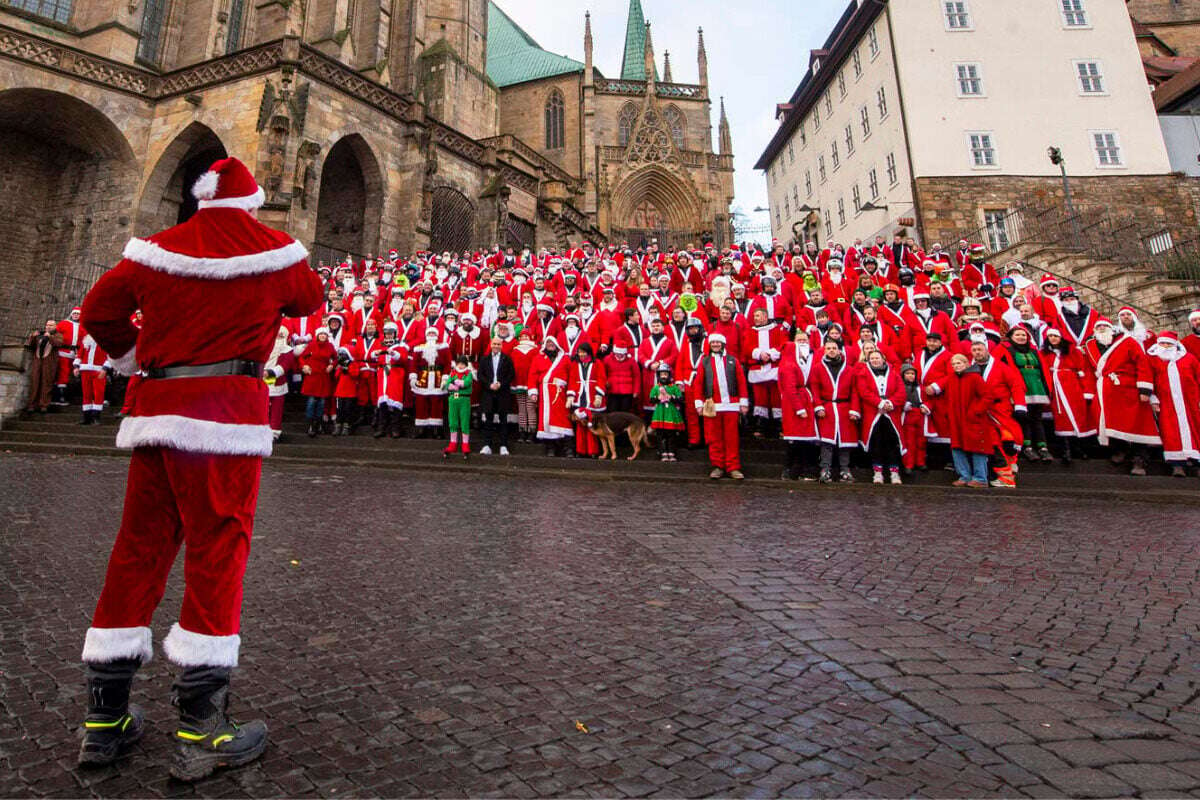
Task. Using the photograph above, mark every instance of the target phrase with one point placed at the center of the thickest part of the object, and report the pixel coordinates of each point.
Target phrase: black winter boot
(383, 422)
(207, 739)
(112, 725)
(314, 428)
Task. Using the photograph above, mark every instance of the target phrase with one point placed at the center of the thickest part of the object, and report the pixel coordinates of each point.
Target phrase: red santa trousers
(130, 391)
(690, 415)
(912, 436)
(205, 503)
(586, 443)
(429, 410)
(766, 400)
(721, 432)
(92, 382)
(65, 367)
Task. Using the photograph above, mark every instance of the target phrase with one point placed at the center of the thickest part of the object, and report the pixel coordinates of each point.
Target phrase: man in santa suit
(776, 307)
(1045, 303)
(302, 330)
(1128, 322)
(762, 347)
(71, 331)
(735, 329)
(390, 357)
(1176, 400)
(979, 278)
(89, 364)
(598, 324)
(1124, 386)
(198, 430)
(430, 361)
(933, 372)
(690, 351)
(719, 387)
(1079, 319)
(1006, 390)
(548, 392)
(586, 395)
(926, 319)
(831, 382)
(656, 348)
(468, 339)
(1191, 342)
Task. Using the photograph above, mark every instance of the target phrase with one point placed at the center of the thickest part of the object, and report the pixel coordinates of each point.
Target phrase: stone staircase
(59, 435)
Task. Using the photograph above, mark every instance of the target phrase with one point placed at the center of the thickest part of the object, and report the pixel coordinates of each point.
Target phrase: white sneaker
(503, 451)
(878, 477)
(896, 478)
(486, 451)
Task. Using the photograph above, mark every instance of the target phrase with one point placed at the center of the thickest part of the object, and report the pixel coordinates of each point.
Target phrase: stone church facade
(370, 123)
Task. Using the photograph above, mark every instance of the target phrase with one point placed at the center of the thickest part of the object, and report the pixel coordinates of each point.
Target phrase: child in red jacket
(624, 380)
(913, 427)
(346, 378)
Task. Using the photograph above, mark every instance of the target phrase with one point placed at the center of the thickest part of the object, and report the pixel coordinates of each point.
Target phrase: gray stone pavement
(467, 635)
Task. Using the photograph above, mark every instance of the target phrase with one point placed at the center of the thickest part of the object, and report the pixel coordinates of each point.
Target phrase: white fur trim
(102, 645)
(195, 435)
(155, 257)
(247, 203)
(205, 187)
(126, 364)
(188, 649)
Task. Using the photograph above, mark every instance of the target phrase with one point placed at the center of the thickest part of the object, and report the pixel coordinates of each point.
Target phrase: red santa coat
(548, 388)
(89, 356)
(246, 277)
(427, 365)
(1177, 391)
(346, 380)
(969, 403)
(624, 375)
(933, 371)
(762, 348)
(1191, 343)
(586, 386)
(523, 354)
(776, 306)
(1007, 390)
(920, 327)
(872, 391)
(390, 374)
(317, 356)
(721, 379)
(1072, 389)
(835, 396)
(650, 354)
(472, 344)
(795, 397)
(1121, 372)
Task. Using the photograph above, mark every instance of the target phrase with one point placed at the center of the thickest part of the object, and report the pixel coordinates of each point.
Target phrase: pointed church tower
(667, 67)
(723, 132)
(702, 59)
(648, 67)
(633, 63)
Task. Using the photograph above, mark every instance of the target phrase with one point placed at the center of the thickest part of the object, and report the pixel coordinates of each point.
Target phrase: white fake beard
(298, 349)
(1104, 336)
(1071, 305)
(835, 278)
(356, 304)
(395, 307)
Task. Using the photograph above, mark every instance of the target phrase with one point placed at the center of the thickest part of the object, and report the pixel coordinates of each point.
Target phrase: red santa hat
(1123, 309)
(228, 184)
(714, 338)
(1103, 321)
(621, 351)
(1168, 337)
(1194, 317)
(76, 310)
(978, 248)
(1048, 279)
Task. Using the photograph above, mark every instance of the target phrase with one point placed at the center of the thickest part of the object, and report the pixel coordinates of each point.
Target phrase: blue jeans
(315, 409)
(970, 466)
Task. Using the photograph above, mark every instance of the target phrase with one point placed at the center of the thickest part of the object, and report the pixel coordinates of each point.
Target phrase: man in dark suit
(496, 376)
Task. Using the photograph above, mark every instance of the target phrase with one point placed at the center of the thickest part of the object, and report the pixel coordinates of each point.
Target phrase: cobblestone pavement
(420, 636)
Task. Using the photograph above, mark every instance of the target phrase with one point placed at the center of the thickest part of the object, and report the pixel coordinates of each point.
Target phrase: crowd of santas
(777, 344)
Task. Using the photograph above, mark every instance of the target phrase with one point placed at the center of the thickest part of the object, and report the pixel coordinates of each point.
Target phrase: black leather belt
(221, 369)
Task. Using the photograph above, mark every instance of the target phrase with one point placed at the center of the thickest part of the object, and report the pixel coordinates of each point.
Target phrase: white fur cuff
(127, 364)
(188, 649)
(102, 645)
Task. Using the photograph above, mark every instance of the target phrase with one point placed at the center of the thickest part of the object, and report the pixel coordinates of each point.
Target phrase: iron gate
(452, 221)
(24, 309)
(519, 233)
(667, 239)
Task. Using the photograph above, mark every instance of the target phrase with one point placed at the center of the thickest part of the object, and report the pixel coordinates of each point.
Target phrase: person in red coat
(1191, 342)
(72, 333)
(429, 364)
(1176, 401)
(762, 348)
(799, 423)
(1124, 385)
(925, 320)
(548, 390)
(972, 433)
(912, 419)
(624, 375)
(390, 359)
(719, 388)
(881, 396)
(835, 403)
(1008, 407)
(691, 352)
(89, 363)
(317, 365)
(586, 397)
(198, 429)
(1072, 391)
(523, 355)
(656, 348)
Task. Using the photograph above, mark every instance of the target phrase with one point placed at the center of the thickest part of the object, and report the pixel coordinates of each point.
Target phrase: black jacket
(508, 373)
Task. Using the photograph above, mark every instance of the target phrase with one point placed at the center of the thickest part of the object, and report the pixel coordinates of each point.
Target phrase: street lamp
(1056, 158)
(870, 206)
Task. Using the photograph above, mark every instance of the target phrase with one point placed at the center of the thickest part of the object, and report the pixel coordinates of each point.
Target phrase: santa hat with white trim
(1194, 317)
(228, 184)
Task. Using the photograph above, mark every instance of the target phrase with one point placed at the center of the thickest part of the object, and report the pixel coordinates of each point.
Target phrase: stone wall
(950, 206)
(523, 114)
(14, 389)
(1176, 22)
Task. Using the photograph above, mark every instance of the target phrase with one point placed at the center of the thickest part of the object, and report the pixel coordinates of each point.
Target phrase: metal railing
(24, 309)
(329, 255)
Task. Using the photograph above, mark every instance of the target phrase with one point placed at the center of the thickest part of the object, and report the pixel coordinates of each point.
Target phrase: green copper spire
(633, 64)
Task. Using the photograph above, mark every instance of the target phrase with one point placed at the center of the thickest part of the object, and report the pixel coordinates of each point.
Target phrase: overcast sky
(757, 54)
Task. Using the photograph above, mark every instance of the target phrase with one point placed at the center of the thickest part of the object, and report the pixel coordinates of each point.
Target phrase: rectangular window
(958, 15)
(808, 183)
(828, 105)
(841, 213)
(796, 195)
(153, 12)
(57, 10)
(892, 173)
(821, 168)
(983, 150)
(787, 207)
(873, 183)
(817, 117)
(970, 83)
(873, 42)
(856, 59)
(791, 154)
(995, 221)
(1091, 80)
(1160, 243)
(803, 137)
(856, 198)
(849, 139)
(834, 155)
(864, 116)
(842, 84)
(237, 13)
(828, 227)
(1108, 149)
(1074, 14)
(384, 38)
(777, 223)
(881, 102)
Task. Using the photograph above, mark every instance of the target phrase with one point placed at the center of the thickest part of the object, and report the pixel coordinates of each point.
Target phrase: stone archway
(64, 188)
(350, 202)
(654, 203)
(167, 199)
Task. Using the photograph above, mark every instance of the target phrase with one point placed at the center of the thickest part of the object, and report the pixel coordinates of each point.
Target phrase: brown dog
(607, 426)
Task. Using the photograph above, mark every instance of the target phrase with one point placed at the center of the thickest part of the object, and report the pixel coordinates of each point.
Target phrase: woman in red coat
(799, 422)
(881, 396)
(316, 362)
(973, 435)
(835, 404)
(1071, 391)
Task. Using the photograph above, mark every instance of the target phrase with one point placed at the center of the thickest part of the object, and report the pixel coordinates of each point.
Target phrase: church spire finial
(702, 58)
(587, 42)
(726, 144)
(651, 68)
(667, 67)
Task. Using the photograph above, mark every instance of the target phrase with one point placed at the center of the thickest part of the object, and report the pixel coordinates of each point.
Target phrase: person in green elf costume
(458, 385)
(1023, 354)
(667, 420)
